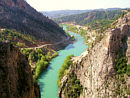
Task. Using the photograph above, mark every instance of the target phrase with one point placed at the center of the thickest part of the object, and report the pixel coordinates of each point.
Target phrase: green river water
(48, 79)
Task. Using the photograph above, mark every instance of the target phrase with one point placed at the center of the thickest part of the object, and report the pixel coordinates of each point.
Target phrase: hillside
(61, 13)
(88, 17)
(21, 25)
(19, 16)
(103, 70)
(19, 39)
(93, 27)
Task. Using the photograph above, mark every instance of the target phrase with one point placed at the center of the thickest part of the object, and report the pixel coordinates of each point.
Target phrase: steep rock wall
(97, 71)
(16, 79)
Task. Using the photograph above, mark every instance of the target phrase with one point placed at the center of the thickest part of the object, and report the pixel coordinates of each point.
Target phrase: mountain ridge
(88, 17)
(61, 13)
(18, 15)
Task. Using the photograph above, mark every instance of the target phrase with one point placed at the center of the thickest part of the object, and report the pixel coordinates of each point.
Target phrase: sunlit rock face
(96, 71)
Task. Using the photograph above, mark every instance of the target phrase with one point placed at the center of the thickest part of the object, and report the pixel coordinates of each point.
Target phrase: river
(48, 79)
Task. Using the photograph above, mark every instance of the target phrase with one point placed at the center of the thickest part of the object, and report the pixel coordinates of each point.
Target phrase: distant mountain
(108, 9)
(20, 16)
(88, 17)
(60, 13)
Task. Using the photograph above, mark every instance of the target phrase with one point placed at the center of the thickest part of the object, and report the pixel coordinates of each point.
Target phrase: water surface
(48, 79)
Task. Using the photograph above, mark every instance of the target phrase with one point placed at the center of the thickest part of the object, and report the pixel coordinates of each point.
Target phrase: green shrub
(32, 56)
(41, 65)
(38, 59)
(73, 38)
(128, 70)
(20, 44)
(14, 36)
(121, 65)
(73, 88)
(25, 51)
(39, 51)
(122, 68)
(64, 67)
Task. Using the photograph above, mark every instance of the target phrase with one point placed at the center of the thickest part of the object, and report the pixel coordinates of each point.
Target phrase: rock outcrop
(97, 70)
(16, 79)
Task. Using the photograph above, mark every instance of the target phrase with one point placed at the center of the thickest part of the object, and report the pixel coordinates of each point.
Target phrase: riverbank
(91, 36)
(39, 59)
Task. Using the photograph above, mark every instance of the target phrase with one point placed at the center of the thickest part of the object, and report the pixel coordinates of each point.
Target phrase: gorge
(104, 72)
(86, 54)
(48, 79)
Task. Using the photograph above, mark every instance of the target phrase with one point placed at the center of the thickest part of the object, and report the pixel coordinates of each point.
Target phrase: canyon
(97, 70)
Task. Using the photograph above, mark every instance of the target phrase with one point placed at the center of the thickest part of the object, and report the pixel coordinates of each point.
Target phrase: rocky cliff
(20, 16)
(102, 69)
(16, 79)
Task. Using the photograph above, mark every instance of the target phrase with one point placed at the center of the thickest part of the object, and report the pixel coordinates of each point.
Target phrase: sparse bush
(16, 37)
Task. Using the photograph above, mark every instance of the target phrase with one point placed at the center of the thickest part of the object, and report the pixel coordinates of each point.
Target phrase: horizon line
(84, 9)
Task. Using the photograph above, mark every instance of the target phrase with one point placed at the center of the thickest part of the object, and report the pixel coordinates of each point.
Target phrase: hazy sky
(49, 5)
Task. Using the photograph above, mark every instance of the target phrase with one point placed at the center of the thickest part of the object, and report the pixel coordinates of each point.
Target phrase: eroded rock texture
(97, 71)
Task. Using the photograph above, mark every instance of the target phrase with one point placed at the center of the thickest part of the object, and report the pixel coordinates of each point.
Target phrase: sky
(51, 5)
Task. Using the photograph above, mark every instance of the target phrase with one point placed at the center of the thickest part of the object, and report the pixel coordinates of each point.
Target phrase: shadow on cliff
(43, 75)
(118, 44)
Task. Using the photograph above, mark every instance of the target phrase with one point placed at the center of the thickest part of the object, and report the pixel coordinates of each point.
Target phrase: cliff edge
(16, 79)
(102, 70)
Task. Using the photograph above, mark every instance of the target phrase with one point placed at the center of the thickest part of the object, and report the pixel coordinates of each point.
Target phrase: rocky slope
(16, 79)
(99, 69)
(20, 16)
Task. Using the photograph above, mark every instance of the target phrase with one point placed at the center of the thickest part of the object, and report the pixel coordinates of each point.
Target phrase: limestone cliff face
(96, 70)
(16, 79)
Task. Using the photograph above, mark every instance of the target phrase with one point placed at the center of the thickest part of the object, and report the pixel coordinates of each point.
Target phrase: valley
(64, 53)
(99, 72)
(48, 79)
